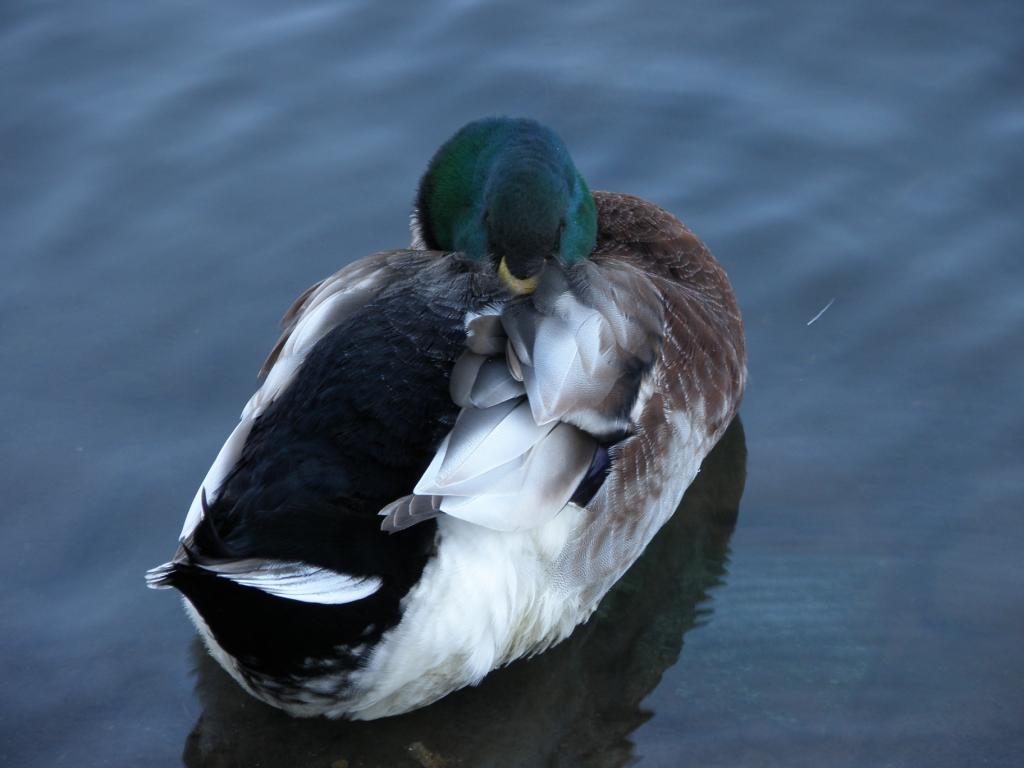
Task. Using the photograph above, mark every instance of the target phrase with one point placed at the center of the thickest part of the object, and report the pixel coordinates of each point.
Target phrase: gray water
(172, 174)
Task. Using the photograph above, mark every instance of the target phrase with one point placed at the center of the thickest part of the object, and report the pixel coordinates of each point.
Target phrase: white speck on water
(822, 310)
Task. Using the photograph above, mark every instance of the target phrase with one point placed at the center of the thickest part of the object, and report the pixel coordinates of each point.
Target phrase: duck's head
(506, 190)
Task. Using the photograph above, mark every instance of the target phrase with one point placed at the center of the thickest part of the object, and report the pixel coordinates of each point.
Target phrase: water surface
(175, 173)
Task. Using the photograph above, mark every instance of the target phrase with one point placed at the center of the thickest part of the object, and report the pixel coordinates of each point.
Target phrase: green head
(507, 189)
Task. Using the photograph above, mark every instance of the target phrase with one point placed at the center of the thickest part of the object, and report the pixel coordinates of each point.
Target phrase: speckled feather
(689, 396)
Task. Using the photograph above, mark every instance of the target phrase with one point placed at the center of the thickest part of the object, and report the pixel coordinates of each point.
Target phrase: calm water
(173, 174)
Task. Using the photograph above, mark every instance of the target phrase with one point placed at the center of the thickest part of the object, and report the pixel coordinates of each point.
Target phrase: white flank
(488, 597)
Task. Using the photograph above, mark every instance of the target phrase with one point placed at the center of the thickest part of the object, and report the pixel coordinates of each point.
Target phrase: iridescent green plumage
(507, 188)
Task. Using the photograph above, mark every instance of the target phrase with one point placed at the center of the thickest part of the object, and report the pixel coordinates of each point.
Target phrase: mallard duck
(461, 446)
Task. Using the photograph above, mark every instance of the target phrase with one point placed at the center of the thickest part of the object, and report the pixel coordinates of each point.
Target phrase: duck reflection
(576, 704)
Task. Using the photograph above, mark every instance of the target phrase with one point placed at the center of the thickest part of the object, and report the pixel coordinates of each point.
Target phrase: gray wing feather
(495, 384)
(484, 335)
(408, 511)
(463, 377)
(513, 462)
(549, 477)
(486, 438)
(581, 352)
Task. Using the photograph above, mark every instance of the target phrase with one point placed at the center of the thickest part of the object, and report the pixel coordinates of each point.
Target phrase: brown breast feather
(699, 372)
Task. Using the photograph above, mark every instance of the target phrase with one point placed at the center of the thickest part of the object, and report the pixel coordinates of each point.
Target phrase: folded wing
(543, 384)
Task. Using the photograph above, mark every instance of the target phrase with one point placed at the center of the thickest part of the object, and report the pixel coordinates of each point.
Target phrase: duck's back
(357, 425)
(353, 427)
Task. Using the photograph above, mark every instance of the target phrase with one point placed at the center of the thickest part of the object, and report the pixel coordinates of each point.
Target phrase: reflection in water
(576, 704)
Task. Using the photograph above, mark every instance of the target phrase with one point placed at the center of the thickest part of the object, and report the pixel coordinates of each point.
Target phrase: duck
(459, 447)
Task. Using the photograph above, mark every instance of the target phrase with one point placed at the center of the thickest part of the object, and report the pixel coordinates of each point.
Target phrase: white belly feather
(488, 597)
